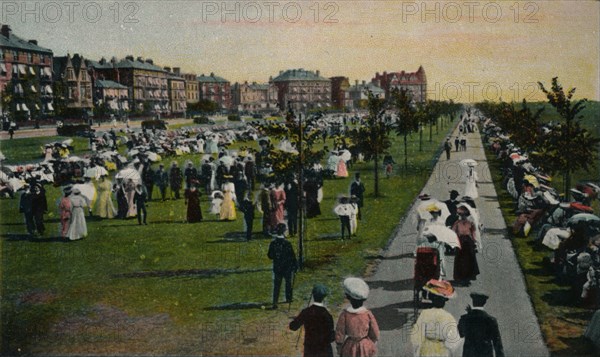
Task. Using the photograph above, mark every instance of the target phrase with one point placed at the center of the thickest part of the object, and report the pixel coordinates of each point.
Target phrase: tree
(567, 147)
(205, 106)
(372, 138)
(407, 121)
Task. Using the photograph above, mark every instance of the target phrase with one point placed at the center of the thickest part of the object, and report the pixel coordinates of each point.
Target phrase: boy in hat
(285, 264)
(480, 330)
(318, 324)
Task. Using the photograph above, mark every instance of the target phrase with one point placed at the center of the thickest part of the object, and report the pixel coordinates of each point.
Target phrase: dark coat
(481, 333)
(283, 256)
(319, 334)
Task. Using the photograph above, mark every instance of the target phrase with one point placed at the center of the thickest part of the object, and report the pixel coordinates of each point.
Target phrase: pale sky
(470, 50)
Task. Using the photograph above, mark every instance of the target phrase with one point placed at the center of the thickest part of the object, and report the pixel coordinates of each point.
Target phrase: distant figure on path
(447, 148)
(471, 184)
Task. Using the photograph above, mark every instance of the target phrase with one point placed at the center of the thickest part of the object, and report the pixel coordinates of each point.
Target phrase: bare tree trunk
(376, 175)
(405, 153)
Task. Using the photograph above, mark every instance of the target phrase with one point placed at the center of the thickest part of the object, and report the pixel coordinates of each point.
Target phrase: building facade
(358, 93)
(147, 82)
(254, 97)
(177, 95)
(72, 84)
(25, 77)
(216, 89)
(192, 91)
(415, 82)
(302, 89)
(340, 98)
(114, 97)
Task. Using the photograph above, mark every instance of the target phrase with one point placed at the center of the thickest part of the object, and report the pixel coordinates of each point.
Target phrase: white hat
(356, 288)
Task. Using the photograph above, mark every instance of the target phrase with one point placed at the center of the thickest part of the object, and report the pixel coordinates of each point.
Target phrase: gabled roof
(101, 83)
(18, 43)
(299, 75)
(211, 79)
(60, 63)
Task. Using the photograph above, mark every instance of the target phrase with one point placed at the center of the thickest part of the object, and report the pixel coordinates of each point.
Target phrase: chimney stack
(356, 82)
(168, 69)
(6, 31)
(364, 83)
(149, 60)
(129, 58)
(212, 74)
(140, 59)
(33, 42)
(177, 70)
(318, 73)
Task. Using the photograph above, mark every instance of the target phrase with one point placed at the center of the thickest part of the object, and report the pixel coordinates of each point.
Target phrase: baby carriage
(427, 267)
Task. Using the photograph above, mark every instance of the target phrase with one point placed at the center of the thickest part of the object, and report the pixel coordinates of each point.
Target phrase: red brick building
(340, 97)
(216, 89)
(416, 82)
(25, 76)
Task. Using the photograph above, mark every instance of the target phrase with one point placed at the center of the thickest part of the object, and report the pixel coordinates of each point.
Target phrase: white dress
(77, 225)
(471, 185)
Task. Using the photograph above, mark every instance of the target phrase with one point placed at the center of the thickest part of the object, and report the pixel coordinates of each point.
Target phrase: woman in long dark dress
(192, 200)
(313, 208)
(465, 262)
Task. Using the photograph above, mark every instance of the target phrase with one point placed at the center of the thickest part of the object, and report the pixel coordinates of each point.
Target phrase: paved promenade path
(391, 298)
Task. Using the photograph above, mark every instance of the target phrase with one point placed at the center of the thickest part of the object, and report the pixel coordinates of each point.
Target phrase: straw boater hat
(356, 288)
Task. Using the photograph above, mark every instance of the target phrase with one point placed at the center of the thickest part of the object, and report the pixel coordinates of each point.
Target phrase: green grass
(561, 322)
(161, 278)
(20, 151)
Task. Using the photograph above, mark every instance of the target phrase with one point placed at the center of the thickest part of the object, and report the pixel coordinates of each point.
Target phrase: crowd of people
(568, 229)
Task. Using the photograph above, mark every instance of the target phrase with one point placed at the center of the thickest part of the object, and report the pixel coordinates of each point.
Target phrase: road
(501, 277)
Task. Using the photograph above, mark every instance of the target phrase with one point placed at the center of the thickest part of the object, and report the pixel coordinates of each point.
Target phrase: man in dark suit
(480, 330)
(284, 264)
(357, 188)
(318, 325)
(452, 205)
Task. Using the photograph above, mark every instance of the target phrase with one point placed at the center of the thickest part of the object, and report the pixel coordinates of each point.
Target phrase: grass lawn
(20, 151)
(177, 288)
(562, 322)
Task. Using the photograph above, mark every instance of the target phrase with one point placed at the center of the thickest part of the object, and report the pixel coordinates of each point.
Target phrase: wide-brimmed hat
(356, 288)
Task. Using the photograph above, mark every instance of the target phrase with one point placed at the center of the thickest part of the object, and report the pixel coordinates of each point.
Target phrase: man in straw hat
(480, 330)
(357, 330)
(318, 324)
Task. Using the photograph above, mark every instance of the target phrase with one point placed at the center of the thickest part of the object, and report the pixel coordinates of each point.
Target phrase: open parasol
(443, 234)
(584, 218)
(129, 173)
(96, 172)
(468, 162)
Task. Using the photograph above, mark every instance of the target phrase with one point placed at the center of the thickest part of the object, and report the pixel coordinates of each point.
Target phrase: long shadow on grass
(240, 306)
(389, 318)
(195, 273)
(26, 237)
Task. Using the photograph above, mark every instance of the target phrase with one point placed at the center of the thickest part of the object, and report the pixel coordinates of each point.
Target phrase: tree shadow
(194, 273)
(390, 318)
(398, 285)
(565, 297)
(241, 306)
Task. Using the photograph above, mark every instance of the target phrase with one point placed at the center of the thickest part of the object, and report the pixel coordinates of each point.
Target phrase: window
(29, 57)
(15, 55)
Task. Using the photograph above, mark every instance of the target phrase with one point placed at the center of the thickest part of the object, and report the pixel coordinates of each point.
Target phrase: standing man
(247, 206)
(291, 205)
(285, 264)
(161, 179)
(175, 178)
(456, 142)
(357, 188)
(148, 179)
(318, 325)
(480, 330)
(26, 207)
(447, 148)
(191, 175)
(140, 197)
(39, 207)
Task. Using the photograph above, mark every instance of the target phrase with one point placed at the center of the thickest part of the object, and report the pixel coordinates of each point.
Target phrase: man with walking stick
(318, 325)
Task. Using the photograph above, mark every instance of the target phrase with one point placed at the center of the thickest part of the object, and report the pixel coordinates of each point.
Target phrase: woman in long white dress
(471, 185)
(77, 225)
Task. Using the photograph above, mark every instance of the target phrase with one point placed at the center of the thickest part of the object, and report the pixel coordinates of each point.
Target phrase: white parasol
(129, 173)
(96, 172)
(154, 157)
(87, 190)
(346, 155)
(468, 162)
(443, 234)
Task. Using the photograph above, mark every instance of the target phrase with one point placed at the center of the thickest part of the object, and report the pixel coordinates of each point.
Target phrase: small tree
(372, 138)
(569, 147)
(407, 121)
